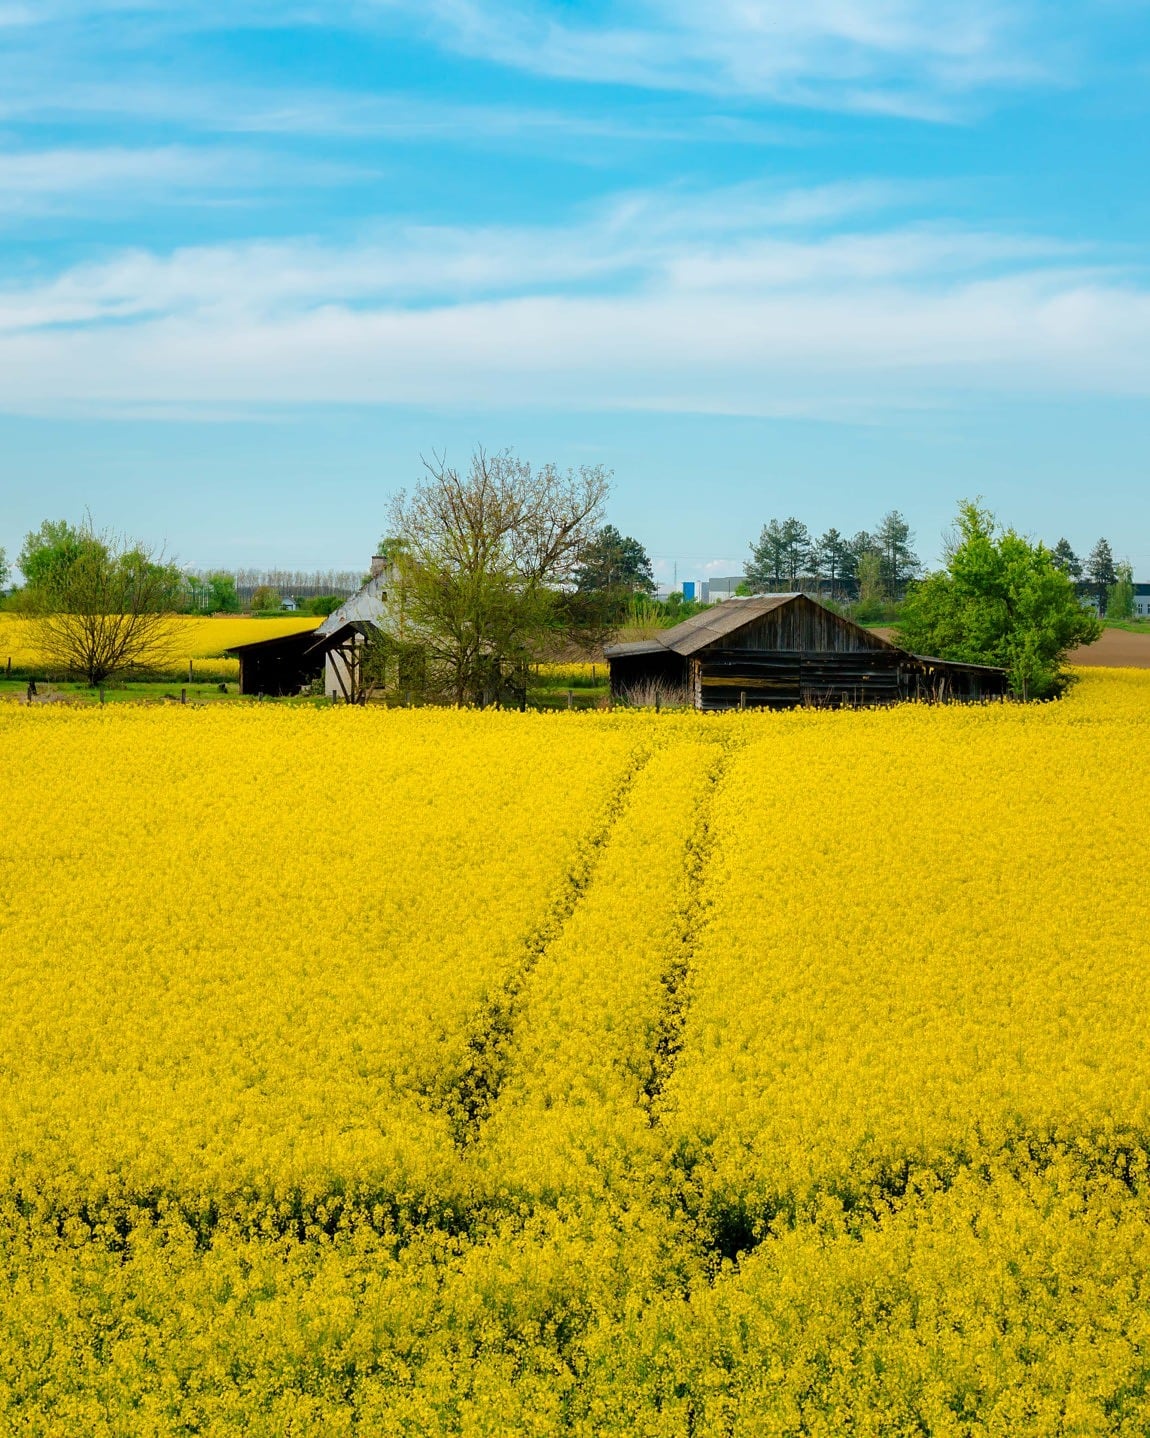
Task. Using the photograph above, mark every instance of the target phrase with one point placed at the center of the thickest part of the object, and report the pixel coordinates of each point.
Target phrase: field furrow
(597, 1013)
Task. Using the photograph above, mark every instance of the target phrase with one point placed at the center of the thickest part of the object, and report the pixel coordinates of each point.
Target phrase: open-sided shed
(282, 665)
(781, 650)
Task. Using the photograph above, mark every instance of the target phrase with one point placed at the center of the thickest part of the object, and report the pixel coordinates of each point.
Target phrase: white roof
(366, 606)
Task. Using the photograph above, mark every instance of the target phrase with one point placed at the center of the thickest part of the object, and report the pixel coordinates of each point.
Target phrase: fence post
(191, 677)
(742, 698)
(183, 696)
(9, 673)
(570, 700)
(656, 701)
(101, 694)
(333, 696)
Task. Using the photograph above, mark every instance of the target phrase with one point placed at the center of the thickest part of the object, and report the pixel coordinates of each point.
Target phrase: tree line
(874, 564)
(491, 568)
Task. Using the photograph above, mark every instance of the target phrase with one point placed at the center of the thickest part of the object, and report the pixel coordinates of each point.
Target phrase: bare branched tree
(100, 606)
(484, 560)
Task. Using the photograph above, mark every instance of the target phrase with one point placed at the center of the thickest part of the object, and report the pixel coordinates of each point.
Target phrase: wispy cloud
(723, 301)
(914, 57)
(921, 58)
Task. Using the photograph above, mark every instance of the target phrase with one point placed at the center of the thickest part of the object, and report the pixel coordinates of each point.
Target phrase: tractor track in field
(676, 977)
(472, 1092)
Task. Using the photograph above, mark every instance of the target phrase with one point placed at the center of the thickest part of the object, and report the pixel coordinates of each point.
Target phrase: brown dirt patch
(1117, 649)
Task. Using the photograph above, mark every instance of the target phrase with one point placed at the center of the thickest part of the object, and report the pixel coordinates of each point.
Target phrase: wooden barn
(781, 650)
(278, 666)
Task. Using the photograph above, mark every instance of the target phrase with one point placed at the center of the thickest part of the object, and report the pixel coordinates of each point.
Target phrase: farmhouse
(290, 662)
(779, 650)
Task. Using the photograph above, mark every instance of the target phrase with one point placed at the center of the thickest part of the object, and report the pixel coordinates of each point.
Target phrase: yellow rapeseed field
(196, 637)
(420, 1072)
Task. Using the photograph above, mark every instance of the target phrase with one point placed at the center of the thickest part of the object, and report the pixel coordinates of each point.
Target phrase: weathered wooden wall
(804, 626)
(722, 678)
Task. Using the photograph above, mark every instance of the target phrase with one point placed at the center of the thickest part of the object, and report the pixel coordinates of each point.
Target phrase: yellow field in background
(196, 637)
(429, 1071)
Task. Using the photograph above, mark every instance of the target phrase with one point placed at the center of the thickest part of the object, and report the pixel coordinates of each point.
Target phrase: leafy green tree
(1001, 600)
(98, 606)
(3, 570)
(615, 562)
(222, 596)
(323, 604)
(859, 544)
(1120, 595)
(265, 599)
(872, 596)
(1066, 560)
(49, 550)
(487, 559)
(1100, 571)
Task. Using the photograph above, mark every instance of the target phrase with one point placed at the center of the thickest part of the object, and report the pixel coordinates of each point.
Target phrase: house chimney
(378, 565)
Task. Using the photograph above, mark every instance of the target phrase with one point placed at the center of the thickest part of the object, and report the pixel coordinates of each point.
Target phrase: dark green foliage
(1100, 571)
(893, 542)
(1066, 560)
(222, 596)
(1001, 600)
(615, 563)
(322, 604)
(781, 555)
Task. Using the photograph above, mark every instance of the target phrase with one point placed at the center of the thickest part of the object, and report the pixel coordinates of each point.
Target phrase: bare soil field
(1117, 649)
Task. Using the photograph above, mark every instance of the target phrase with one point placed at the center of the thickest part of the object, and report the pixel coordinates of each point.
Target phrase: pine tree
(893, 540)
(1100, 571)
(1066, 560)
(768, 558)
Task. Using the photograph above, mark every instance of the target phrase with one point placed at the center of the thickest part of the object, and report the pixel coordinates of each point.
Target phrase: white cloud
(914, 57)
(77, 179)
(722, 301)
(900, 56)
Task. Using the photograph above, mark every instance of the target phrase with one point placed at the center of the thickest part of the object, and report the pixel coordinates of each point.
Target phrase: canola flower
(443, 1072)
(196, 637)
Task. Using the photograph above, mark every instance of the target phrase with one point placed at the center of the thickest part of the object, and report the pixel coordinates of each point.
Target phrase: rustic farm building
(779, 650)
(274, 667)
(339, 641)
(335, 649)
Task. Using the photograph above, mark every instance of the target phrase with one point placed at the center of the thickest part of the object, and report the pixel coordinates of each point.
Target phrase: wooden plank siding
(776, 680)
(805, 627)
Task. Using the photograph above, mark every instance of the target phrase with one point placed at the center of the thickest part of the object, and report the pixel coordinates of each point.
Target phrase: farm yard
(434, 1071)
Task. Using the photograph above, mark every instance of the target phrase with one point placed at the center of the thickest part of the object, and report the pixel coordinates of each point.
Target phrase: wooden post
(742, 698)
(570, 700)
(183, 696)
(409, 698)
(333, 696)
(101, 694)
(656, 701)
(594, 675)
(9, 673)
(191, 676)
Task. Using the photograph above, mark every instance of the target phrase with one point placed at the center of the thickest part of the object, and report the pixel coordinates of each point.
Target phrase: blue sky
(758, 258)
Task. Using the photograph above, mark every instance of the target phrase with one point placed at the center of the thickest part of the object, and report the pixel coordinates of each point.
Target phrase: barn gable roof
(725, 619)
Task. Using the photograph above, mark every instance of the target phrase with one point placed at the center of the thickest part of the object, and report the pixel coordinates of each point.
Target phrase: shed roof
(365, 605)
(298, 637)
(714, 624)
